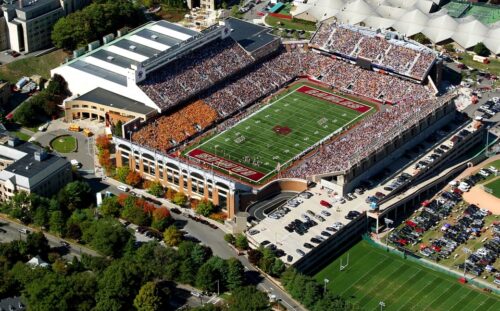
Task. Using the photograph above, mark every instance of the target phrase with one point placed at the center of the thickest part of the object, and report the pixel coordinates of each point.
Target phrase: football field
(279, 132)
(374, 275)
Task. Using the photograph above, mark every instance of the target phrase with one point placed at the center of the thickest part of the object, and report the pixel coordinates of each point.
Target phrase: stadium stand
(166, 131)
(232, 96)
(400, 56)
(195, 72)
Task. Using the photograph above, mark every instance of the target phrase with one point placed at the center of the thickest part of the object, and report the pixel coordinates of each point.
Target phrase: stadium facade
(160, 74)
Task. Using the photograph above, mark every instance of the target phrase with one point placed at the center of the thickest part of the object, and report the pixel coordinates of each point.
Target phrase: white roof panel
(149, 43)
(126, 53)
(170, 32)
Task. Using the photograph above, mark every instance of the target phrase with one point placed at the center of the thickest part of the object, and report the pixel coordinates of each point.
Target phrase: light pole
(466, 251)
(325, 281)
(382, 305)
(218, 292)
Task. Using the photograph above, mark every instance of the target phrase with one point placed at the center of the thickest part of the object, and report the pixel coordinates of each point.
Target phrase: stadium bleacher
(402, 57)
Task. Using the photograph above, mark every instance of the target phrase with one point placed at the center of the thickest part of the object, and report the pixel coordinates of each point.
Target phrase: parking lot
(304, 222)
(458, 234)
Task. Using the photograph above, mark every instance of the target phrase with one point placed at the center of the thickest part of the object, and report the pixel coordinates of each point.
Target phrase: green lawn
(495, 187)
(20, 135)
(32, 65)
(493, 67)
(290, 24)
(64, 144)
(255, 143)
(374, 275)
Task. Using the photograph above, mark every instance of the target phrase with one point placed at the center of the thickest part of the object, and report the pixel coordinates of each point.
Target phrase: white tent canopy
(408, 17)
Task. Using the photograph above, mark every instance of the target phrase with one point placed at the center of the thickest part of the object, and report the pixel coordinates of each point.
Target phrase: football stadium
(271, 138)
(227, 111)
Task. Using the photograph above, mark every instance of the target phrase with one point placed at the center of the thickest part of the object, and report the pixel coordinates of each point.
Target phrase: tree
(26, 114)
(169, 195)
(148, 298)
(103, 142)
(56, 222)
(229, 238)
(105, 160)
(118, 129)
(161, 219)
(248, 298)
(110, 206)
(94, 21)
(75, 195)
(156, 189)
(37, 244)
(481, 49)
(172, 236)
(122, 173)
(133, 178)
(107, 236)
(118, 285)
(205, 208)
(241, 241)
(278, 267)
(179, 199)
(449, 48)
(421, 38)
(254, 256)
(235, 274)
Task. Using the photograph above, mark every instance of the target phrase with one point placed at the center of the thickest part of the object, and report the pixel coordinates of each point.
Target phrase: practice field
(374, 275)
(279, 132)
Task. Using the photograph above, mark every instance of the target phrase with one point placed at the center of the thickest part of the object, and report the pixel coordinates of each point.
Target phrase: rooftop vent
(110, 58)
(40, 156)
(154, 37)
(13, 141)
(132, 47)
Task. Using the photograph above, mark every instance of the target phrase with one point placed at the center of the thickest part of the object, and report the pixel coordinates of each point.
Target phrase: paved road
(13, 233)
(214, 238)
(257, 210)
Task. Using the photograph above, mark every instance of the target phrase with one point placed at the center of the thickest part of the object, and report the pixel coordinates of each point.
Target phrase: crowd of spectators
(194, 72)
(370, 135)
(412, 102)
(401, 56)
(169, 130)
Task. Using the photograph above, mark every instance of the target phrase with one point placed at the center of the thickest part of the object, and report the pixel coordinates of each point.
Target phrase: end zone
(332, 98)
(227, 165)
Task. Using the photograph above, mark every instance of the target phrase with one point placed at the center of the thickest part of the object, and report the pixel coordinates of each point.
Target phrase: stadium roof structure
(107, 98)
(249, 36)
(408, 17)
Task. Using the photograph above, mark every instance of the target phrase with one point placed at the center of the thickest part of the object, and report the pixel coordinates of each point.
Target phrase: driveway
(84, 152)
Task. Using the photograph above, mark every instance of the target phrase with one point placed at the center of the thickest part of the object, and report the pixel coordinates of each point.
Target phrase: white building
(27, 24)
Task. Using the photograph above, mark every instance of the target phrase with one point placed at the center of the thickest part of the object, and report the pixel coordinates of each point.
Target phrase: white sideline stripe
(291, 159)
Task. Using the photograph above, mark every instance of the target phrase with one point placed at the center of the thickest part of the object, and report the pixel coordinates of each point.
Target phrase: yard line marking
(417, 293)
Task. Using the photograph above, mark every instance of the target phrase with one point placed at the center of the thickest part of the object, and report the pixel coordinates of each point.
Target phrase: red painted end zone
(227, 165)
(334, 99)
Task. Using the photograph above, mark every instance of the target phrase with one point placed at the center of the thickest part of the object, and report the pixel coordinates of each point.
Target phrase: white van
(123, 188)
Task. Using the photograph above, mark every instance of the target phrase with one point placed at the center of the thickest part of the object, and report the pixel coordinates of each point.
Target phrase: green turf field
(495, 187)
(485, 14)
(373, 275)
(456, 9)
(257, 143)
